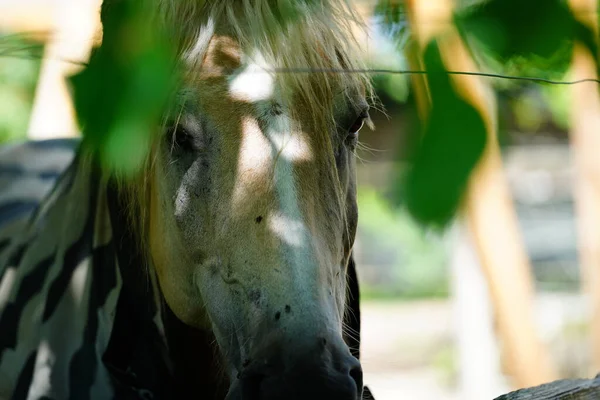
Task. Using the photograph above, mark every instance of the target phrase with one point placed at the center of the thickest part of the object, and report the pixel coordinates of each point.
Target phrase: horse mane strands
(288, 35)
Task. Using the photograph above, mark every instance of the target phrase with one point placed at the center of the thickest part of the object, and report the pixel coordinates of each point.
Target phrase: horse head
(249, 198)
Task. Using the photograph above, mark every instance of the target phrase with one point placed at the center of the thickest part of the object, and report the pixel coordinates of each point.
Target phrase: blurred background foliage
(19, 70)
(391, 237)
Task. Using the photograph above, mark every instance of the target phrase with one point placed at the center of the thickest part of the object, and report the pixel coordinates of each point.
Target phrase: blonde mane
(309, 43)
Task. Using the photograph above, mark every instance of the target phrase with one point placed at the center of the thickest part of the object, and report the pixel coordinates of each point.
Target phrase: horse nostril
(251, 384)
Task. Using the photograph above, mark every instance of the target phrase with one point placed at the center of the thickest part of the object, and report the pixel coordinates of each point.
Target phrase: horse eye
(179, 136)
(357, 125)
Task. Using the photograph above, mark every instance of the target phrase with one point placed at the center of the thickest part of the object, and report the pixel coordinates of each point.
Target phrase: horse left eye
(357, 126)
(179, 135)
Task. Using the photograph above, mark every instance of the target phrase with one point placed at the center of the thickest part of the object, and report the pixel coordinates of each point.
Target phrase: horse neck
(195, 361)
(192, 355)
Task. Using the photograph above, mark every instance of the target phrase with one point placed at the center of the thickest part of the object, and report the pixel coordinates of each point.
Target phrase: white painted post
(479, 373)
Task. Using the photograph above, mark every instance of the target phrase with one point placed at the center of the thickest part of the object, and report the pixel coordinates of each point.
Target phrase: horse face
(253, 217)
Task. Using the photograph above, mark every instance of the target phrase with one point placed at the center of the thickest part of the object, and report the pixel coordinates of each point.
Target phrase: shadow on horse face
(252, 217)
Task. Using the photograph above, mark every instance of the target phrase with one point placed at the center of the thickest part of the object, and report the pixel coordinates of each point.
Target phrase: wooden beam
(585, 142)
(576, 389)
(489, 210)
(493, 221)
(17, 17)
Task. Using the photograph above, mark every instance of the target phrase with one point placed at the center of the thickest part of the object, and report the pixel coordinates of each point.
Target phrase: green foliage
(535, 35)
(388, 54)
(415, 259)
(122, 94)
(529, 112)
(452, 141)
(558, 99)
(392, 13)
(19, 70)
(511, 37)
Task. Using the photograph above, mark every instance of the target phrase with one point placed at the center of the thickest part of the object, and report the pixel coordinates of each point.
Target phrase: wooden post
(15, 17)
(479, 372)
(75, 25)
(585, 142)
(489, 210)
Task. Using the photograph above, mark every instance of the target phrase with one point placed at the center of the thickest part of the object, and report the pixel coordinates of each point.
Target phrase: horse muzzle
(321, 371)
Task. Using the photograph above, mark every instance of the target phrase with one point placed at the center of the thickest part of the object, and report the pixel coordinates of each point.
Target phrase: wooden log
(571, 389)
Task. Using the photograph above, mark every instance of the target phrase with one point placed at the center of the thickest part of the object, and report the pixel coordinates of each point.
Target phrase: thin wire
(422, 72)
(17, 52)
(14, 52)
(376, 71)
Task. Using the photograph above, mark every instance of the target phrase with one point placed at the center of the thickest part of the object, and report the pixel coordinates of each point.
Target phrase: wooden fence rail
(575, 389)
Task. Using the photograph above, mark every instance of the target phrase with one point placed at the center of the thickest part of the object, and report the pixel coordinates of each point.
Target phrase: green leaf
(452, 141)
(537, 34)
(19, 70)
(391, 12)
(122, 94)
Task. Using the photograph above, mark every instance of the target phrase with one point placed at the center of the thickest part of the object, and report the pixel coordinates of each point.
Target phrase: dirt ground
(405, 350)
(408, 349)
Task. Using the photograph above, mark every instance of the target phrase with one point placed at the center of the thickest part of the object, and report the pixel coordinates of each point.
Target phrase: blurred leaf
(558, 99)
(391, 12)
(391, 19)
(19, 45)
(534, 33)
(19, 70)
(121, 95)
(396, 87)
(391, 35)
(452, 141)
(528, 111)
(410, 261)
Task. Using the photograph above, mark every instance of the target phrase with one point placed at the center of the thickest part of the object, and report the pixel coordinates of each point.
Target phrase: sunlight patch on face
(181, 200)
(290, 231)
(287, 223)
(292, 147)
(254, 161)
(254, 83)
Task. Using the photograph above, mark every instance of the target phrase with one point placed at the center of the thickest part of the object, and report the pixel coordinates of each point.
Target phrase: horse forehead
(246, 80)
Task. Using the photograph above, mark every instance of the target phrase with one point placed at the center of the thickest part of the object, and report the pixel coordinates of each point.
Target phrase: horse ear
(352, 311)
